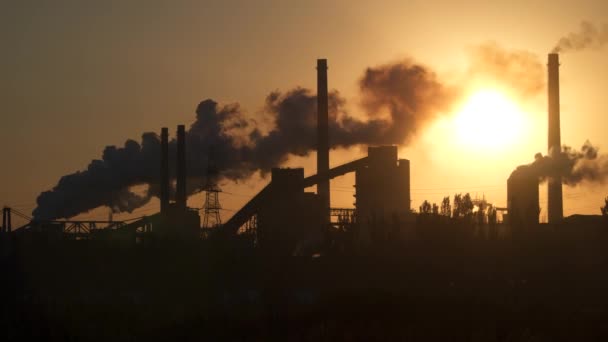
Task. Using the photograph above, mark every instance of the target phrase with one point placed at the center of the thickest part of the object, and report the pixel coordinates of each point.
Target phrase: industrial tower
(555, 200)
(212, 206)
(323, 137)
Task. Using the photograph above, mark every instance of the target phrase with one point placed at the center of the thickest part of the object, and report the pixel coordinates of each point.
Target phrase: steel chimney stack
(323, 136)
(6, 220)
(180, 187)
(164, 170)
(555, 200)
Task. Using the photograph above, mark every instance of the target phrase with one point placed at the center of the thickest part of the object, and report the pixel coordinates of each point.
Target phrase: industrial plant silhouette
(288, 266)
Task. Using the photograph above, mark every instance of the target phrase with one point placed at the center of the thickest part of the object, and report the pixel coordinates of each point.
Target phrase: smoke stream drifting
(397, 101)
(588, 36)
(574, 167)
(410, 93)
(521, 71)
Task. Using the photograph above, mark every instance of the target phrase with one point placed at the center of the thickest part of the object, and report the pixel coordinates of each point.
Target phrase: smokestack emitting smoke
(411, 94)
(588, 37)
(572, 166)
(323, 136)
(555, 200)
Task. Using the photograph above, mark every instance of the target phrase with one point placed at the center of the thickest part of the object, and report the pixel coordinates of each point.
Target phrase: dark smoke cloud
(397, 100)
(572, 166)
(106, 181)
(412, 95)
(588, 36)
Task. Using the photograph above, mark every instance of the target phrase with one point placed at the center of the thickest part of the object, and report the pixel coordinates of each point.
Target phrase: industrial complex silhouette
(288, 266)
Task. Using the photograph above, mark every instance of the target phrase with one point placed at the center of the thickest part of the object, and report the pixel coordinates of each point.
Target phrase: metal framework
(250, 208)
(86, 227)
(250, 227)
(342, 218)
(71, 228)
(249, 230)
(212, 207)
(77, 229)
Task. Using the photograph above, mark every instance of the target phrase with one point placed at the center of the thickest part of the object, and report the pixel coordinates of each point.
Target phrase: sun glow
(488, 120)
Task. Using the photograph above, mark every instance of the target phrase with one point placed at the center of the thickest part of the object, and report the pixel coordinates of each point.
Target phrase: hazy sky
(80, 75)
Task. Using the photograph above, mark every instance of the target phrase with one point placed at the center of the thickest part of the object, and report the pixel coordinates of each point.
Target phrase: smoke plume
(519, 70)
(397, 100)
(573, 166)
(588, 36)
(411, 94)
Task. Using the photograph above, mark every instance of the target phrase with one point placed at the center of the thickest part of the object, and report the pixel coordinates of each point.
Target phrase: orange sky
(77, 76)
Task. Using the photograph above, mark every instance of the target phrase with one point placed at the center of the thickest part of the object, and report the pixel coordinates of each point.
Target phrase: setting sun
(488, 119)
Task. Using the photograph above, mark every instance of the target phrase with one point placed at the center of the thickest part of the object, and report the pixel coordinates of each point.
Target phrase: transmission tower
(212, 205)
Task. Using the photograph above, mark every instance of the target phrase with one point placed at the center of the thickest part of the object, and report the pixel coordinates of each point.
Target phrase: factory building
(284, 214)
(283, 217)
(289, 217)
(382, 189)
(522, 197)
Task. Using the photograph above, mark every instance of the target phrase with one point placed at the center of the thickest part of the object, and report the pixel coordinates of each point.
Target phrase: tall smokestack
(6, 220)
(164, 170)
(180, 187)
(555, 205)
(323, 136)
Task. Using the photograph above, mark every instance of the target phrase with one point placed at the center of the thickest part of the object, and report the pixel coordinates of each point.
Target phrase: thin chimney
(323, 136)
(6, 220)
(555, 204)
(180, 191)
(164, 170)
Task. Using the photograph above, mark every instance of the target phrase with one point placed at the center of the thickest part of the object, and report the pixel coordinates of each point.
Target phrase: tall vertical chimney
(6, 220)
(164, 170)
(323, 136)
(555, 205)
(180, 191)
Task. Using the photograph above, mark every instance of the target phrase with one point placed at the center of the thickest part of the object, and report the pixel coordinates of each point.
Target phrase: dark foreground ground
(550, 286)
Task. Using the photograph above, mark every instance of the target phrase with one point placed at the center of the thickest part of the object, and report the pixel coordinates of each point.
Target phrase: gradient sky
(80, 75)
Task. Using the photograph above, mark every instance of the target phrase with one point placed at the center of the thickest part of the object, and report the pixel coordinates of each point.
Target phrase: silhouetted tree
(463, 208)
(605, 207)
(479, 217)
(467, 205)
(457, 205)
(492, 220)
(492, 216)
(435, 209)
(446, 208)
(463, 205)
(425, 207)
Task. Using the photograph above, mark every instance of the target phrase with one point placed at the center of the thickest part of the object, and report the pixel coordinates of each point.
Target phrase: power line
(20, 214)
(235, 194)
(462, 187)
(19, 204)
